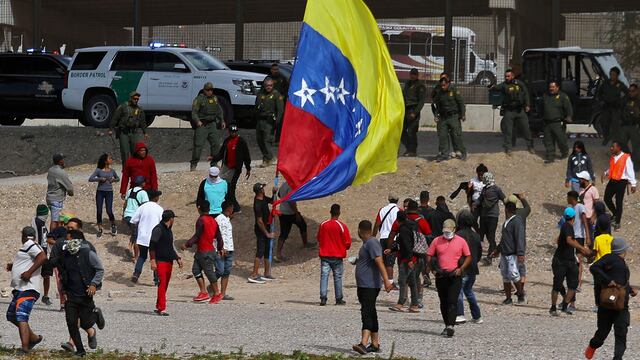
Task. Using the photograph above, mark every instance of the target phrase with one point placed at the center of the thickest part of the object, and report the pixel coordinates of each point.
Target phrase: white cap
(214, 171)
(584, 175)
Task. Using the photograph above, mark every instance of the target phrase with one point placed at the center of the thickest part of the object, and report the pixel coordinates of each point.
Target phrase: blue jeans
(224, 264)
(467, 290)
(106, 198)
(144, 251)
(334, 265)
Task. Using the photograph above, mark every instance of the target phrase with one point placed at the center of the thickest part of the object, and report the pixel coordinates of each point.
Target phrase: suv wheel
(11, 121)
(485, 78)
(99, 110)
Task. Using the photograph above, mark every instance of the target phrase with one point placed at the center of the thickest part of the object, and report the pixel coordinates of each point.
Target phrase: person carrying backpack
(135, 197)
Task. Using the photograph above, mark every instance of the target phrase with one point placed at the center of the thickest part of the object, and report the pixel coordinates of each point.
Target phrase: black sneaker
(359, 348)
(46, 300)
(99, 318)
(507, 301)
(548, 161)
(67, 346)
(160, 313)
(373, 349)
(80, 354)
(114, 230)
(323, 302)
(134, 278)
(522, 300)
(448, 332)
(93, 340)
(341, 302)
(553, 311)
(99, 233)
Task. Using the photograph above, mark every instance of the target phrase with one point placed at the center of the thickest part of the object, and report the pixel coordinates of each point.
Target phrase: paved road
(258, 327)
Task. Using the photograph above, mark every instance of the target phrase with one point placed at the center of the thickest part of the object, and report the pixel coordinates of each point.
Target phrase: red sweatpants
(164, 275)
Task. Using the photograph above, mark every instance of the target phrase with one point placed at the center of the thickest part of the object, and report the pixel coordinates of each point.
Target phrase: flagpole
(272, 227)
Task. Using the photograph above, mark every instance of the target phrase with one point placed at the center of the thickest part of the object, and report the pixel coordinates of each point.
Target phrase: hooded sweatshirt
(137, 166)
(602, 217)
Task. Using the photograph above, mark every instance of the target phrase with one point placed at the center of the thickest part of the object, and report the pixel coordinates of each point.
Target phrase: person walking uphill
(163, 254)
(130, 125)
(620, 174)
(333, 242)
(489, 201)
(613, 272)
(214, 190)
(515, 106)
(234, 153)
(207, 120)
(448, 249)
(370, 277)
(415, 94)
(105, 176)
(58, 187)
(140, 164)
(578, 162)
(450, 112)
(269, 111)
(557, 112)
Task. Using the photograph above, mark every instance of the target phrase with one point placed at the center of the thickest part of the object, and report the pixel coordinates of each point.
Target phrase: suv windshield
(203, 61)
(608, 61)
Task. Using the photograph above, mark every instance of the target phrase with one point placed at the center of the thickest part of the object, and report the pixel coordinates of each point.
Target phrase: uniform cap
(29, 232)
(619, 245)
(139, 180)
(569, 213)
(57, 157)
(449, 225)
(214, 171)
(233, 127)
(41, 210)
(134, 93)
(514, 199)
(208, 86)
(167, 215)
(413, 71)
(584, 175)
(257, 187)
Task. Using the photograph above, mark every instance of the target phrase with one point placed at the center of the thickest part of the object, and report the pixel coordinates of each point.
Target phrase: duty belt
(513, 108)
(552, 121)
(128, 130)
(450, 113)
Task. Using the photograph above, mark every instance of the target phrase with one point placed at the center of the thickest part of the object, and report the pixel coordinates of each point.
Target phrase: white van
(168, 78)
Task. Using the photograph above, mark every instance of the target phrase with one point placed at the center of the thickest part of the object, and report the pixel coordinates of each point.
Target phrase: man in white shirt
(384, 222)
(147, 216)
(224, 260)
(26, 282)
(620, 175)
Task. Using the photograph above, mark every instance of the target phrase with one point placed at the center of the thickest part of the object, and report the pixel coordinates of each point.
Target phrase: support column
(448, 38)
(137, 22)
(239, 30)
(37, 37)
(555, 23)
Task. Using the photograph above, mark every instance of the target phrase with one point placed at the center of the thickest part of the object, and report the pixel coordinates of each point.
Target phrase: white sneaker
(460, 320)
(255, 280)
(477, 321)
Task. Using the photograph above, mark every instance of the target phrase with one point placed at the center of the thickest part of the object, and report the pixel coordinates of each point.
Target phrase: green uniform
(629, 128)
(130, 125)
(206, 110)
(415, 94)
(556, 109)
(611, 97)
(281, 84)
(269, 111)
(450, 110)
(515, 100)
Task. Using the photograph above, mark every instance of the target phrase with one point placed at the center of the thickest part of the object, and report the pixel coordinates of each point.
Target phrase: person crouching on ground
(369, 270)
(163, 254)
(209, 242)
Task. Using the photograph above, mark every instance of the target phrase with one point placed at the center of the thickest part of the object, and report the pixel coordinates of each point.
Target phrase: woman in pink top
(449, 250)
(588, 196)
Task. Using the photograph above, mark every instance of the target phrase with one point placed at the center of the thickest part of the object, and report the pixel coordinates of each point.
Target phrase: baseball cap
(584, 175)
(258, 186)
(413, 71)
(233, 127)
(208, 86)
(449, 225)
(57, 157)
(214, 171)
(569, 213)
(134, 93)
(168, 214)
(29, 232)
(514, 199)
(139, 180)
(153, 193)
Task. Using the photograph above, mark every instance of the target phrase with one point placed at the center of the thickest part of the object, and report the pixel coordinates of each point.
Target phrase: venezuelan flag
(344, 116)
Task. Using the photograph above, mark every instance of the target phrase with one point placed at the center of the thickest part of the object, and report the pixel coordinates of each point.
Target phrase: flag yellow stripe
(351, 27)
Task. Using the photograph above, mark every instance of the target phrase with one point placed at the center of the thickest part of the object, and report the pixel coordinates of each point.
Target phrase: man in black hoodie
(512, 250)
(439, 216)
(409, 268)
(466, 222)
(234, 153)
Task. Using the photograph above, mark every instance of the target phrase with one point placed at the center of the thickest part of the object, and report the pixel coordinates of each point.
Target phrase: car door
(130, 72)
(46, 77)
(13, 91)
(170, 82)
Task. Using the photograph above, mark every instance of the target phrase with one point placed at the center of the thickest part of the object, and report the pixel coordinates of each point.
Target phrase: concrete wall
(478, 118)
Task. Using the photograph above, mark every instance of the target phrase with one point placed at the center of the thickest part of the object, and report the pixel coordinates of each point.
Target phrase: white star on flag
(305, 93)
(328, 91)
(341, 91)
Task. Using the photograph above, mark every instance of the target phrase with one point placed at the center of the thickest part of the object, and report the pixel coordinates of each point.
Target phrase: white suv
(168, 79)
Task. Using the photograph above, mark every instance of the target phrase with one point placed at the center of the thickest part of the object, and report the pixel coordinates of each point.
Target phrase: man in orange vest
(620, 175)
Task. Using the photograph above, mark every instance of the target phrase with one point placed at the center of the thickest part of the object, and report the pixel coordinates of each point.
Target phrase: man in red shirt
(233, 153)
(333, 241)
(140, 164)
(205, 256)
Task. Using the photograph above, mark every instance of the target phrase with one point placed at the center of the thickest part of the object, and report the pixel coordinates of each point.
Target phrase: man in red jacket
(333, 241)
(140, 164)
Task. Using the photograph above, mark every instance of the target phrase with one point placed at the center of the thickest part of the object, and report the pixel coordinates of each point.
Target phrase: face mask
(448, 235)
(73, 246)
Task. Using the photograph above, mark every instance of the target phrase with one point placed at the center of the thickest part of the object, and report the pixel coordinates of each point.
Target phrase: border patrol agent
(557, 110)
(415, 95)
(515, 106)
(130, 125)
(207, 121)
(629, 124)
(611, 95)
(450, 111)
(269, 110)
(281, 84)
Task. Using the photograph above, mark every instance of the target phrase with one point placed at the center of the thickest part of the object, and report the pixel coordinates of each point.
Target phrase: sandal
(396, 309)
(33, 344)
